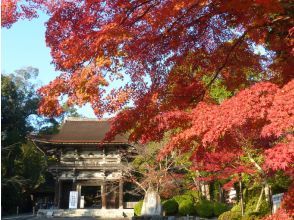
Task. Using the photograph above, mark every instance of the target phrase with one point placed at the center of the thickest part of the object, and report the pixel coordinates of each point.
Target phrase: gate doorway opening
(112, 189)
(92, 196)
(66, 187)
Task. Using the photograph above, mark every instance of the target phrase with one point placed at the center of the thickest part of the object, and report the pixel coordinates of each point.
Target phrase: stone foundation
(102, 213)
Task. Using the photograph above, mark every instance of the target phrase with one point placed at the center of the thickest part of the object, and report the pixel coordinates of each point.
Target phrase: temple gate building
(86, 165)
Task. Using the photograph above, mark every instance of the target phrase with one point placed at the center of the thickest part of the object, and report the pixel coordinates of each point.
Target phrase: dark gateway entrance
(92, 196)
(112, 197)
(66, 187)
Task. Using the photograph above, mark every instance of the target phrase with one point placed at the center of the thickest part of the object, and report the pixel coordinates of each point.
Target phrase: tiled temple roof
(81, 130)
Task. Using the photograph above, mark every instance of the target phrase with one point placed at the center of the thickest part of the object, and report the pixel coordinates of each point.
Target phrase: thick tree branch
(218, 71)
(131, 10)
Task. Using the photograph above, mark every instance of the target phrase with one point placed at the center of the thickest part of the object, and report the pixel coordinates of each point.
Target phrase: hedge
(204, 208)
(170, 207)
(186, 207)
(219, 208)
(229, 215)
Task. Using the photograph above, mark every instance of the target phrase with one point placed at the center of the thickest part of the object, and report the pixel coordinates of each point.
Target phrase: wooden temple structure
(86, 165)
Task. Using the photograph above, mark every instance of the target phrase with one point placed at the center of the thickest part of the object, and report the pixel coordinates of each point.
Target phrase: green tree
(21, 163)
(23, 166)
(19, 102)
(51, 125)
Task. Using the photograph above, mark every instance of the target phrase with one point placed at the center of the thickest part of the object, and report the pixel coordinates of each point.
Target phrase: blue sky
(24, 45)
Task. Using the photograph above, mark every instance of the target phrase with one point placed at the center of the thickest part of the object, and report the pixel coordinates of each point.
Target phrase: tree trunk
(267, 188)
(207, 192)
(268, 195)
(197, 184)
(221, 194)
(267, 192)
(241, 196)
(259, 200)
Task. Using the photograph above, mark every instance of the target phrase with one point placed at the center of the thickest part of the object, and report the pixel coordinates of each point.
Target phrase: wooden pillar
(56, 192)
(78, 189)
(73, 186)
(103, 195)
(120, 198)
(59, 193)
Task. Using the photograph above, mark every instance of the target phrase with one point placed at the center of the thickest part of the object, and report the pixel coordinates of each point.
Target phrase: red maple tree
(172, 43)
(164, 49)
(260, 118)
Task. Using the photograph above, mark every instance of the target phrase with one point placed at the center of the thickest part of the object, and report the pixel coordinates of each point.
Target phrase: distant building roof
(82, 130)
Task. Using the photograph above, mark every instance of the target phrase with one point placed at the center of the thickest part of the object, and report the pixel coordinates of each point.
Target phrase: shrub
(181, 198)
(225, 216)
(204, 208)
(251, 205)
(186, 207)
(219, 208)
(138, 208)
(193, 194)
(250, 217)
(237, 208)
(229, 215)
(170, 207)
(250, 213)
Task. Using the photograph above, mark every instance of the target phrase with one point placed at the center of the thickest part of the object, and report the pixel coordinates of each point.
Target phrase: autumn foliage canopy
(160, 52)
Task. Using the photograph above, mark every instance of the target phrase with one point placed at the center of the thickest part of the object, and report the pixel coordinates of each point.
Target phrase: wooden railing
(91, 161)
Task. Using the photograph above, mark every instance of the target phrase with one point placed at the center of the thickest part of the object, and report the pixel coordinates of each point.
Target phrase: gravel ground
(57, 218)
(75, 218)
